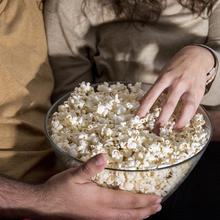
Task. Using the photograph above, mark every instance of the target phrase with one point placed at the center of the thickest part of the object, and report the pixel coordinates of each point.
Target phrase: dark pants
(199, 196)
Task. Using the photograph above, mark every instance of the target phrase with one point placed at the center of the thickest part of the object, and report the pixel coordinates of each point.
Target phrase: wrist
(20, 200)
(207, 60)
(211, 73)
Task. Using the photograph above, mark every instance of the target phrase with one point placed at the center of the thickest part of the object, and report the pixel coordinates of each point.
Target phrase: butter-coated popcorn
(102, 120)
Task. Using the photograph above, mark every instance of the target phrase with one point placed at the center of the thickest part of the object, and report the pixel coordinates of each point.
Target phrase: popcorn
(103, 120)
(116, 155)
(102, 110)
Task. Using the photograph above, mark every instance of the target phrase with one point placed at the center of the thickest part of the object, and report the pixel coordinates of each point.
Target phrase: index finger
(152, 95)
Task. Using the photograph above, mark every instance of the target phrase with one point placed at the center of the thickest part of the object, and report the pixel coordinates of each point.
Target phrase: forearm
(19, 200)
(215, 119)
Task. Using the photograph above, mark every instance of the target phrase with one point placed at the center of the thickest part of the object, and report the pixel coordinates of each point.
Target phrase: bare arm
(185, 77)
(19, 199)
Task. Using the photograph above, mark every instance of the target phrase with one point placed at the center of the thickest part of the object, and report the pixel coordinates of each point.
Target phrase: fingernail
(99, 160)
(160, 124)
(177, 128)
(138, 113)
(158, 208)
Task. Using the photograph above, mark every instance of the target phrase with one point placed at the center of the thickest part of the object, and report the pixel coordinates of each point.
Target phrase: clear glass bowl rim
(53, 109)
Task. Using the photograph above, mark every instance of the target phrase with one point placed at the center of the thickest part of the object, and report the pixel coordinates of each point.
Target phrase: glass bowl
(162, 181)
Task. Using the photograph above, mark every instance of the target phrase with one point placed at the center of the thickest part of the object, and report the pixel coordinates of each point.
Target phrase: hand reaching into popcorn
(184, 77)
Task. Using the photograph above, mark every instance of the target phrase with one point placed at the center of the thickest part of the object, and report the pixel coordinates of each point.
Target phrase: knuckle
(125, 216)
(180, 83)
(169, 104)
(165, 78)
(86, 170)
(134, 202)
(185, 73)
(173, 87)
(191, 104)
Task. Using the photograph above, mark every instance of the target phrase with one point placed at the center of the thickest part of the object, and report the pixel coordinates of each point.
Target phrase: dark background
(199, 196)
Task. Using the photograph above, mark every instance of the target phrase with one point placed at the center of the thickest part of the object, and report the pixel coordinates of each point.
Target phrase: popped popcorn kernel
(102, 120)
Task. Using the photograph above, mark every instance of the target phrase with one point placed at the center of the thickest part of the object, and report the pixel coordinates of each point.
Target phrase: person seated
(29, 187)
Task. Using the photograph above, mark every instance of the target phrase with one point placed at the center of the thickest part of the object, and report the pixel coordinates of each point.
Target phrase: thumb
(89, 169)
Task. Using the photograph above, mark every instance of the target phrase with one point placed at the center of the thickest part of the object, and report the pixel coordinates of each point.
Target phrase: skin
(184, 78)
(72, 195)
